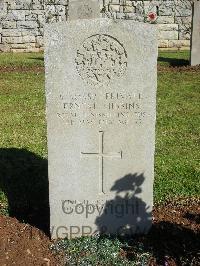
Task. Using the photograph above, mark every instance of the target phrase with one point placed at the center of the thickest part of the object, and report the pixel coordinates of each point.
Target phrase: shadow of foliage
(126, 214)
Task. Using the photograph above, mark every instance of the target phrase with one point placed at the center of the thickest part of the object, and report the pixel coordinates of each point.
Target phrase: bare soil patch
(22, 244)
(191, 69)
(174, 239)
(21, 69)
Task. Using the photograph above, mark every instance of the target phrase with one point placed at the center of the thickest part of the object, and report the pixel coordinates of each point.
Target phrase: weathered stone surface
(165, 20)
(168, 35)
(184, 29)
(3, 10)
(22, 45)
(128, 9)
(150, 6)
(170, 27)
(22, 39)
(184, 35)
(83, 9)
(19, 4)
(39, 41)
(39, 6)
(132, 16)
(195, 44)
(55, 10)
(27, 24)
(101, 100)
(9, 24)
(163, 43)
(183, 20)
(31, 16)
(114, 8)
(183, 8)
(15, 15)
(4, 47)
(121, 16)
(179, 43)
(26, 50)
(166, 8)
(19, 32)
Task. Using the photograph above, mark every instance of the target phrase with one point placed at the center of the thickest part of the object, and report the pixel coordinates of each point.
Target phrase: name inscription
(93, 109)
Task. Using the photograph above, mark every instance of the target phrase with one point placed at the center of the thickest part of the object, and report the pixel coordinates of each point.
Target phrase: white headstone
(83, 9)
(101, 79)
(195, 41)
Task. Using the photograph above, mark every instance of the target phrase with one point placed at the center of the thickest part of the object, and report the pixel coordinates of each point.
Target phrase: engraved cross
(101, 155)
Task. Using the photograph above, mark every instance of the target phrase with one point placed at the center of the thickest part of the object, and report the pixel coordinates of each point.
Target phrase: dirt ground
(190, 69)
(174, 238)
(21, 69)
(22, 244)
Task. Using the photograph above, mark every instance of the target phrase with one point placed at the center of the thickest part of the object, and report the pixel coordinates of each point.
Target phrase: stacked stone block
(22, 21)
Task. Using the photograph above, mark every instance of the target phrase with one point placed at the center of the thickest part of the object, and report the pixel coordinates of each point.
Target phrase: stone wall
(21, 27)
(22, 21)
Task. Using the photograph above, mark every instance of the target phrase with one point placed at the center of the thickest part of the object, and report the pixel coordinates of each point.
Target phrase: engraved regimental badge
(100, 59)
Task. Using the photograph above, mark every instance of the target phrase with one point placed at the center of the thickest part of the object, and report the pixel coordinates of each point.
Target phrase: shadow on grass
(24, 180)
(37, 58)
(174, 62)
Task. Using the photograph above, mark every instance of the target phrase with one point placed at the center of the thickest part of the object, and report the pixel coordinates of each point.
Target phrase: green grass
(177, 138)
(21, 59)
(22, 108)
(22, 112)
